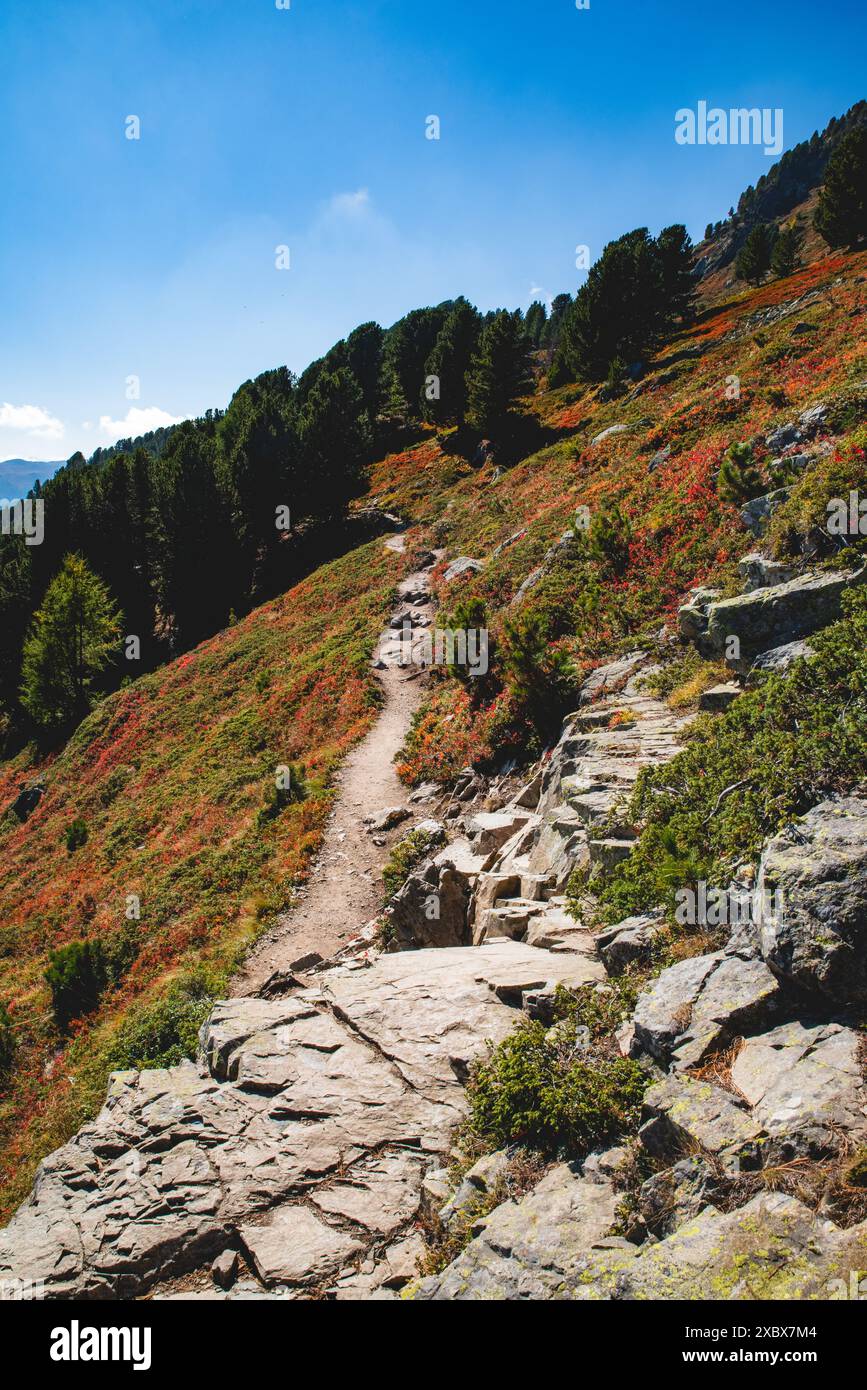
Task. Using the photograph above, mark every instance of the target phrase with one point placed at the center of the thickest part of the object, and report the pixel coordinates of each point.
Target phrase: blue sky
(305, 127)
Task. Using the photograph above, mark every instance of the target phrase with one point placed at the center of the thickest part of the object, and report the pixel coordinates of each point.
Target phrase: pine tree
(335, 443)
(739, 480)
(534, 322)
(841, 217)
(444, 400)
(785, 257)
(74, 635)
(500, 372)
(364, 348)
(674, 250)
(754, 257)
(408, 345)
(200, 566)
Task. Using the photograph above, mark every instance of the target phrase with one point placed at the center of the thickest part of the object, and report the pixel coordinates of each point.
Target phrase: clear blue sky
(306, 127)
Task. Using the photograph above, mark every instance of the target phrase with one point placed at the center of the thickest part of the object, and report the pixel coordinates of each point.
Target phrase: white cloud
(31, 420)
(537, 292)
(350, 204)
(136, 421)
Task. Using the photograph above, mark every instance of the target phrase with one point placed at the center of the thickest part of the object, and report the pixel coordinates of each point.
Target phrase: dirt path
(344, 891)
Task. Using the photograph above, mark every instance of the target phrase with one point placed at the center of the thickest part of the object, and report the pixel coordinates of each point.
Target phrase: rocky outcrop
(697, 1006)
(301, 1138)
(806, 1088)
(464, 565)
(779, 659)
(772, 1248)
(432, 908)
(766, 618)
(756, 513)
(525, 1249)
(817, 869)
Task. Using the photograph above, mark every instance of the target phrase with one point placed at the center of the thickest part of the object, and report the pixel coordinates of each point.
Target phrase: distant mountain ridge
(17, 476)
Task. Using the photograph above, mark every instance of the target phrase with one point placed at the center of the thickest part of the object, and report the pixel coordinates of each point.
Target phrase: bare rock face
(697, 1006)
(302, 1136)
(769, 617)
(806, 1087)
(526, 1249)
(432, 909)
(551, 1245)
(818, 867)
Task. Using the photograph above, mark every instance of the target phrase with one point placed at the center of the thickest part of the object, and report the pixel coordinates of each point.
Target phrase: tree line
(167, 538)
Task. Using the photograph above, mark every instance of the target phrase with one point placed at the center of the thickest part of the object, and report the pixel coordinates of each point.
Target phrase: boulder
(525, 1249)
(510, 918)
(692, 616)
(759, 572)
(768, 617)
(224, 1270)
(718, 698)
(612, 676)
(700, 1005)
(431, 908)
(628, 941)
(779, 659)
(489, 830)
(659, 458)
(28, 798)
(758, 511)
(812, 901)
(610, 432)
(462, 566)
(677, 1194)
(683, 1114)
(806, 1087)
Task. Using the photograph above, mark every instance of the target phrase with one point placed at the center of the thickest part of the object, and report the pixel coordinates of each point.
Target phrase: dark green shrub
(403, 858)
(277, 798)
(739, 480)
(609, 538)
(165, 1032)
(540, 677)
(77, 975)
(540, 1089)
(76, 835)
(7, 1043)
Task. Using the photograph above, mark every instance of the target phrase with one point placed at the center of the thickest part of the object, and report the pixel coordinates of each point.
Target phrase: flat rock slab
(295, 1247)
(806, 1087)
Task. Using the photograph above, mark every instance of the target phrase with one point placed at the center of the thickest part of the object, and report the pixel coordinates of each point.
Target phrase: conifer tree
(841, 217)
(500, 372)
(74, 634)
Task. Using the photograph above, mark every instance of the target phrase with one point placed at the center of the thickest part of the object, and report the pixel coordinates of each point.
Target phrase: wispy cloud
(30, 420)
(350, 204)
